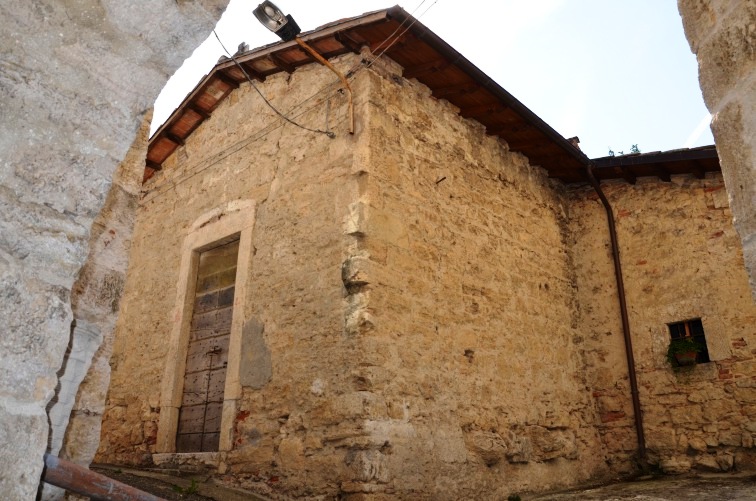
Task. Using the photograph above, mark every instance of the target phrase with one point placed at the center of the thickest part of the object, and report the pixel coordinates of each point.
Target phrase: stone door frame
(233, 220)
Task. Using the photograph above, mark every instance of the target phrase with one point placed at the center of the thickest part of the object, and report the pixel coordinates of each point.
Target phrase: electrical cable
(229, 150)
(249, 79)
(264, 131)
(414, 20)
(257, 135)
(396, 30)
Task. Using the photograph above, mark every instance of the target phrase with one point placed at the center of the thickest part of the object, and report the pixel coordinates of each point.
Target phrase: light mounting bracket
(276, 21)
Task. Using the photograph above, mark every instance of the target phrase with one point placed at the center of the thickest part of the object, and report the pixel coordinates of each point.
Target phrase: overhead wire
(269, 128)
(232, 148)
(397, 29)
(249, 79)
(396, 39)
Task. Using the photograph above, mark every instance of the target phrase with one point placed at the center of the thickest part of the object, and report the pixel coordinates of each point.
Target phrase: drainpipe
(625, 322)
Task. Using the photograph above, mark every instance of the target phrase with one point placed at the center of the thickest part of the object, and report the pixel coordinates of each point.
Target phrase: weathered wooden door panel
(191, 419)
(216, 385)
(195, 389)
(213, 417)
(210, 442)
(189, 442)
(207, 354)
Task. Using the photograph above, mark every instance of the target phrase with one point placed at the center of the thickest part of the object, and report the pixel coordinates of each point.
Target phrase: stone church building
(420, 299)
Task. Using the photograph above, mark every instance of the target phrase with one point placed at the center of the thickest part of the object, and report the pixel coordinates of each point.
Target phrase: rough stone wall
(417, 334)
(681, 260)
(429, 315)
(722, 34)
(297, 402)
(463, 300)
(76, 78)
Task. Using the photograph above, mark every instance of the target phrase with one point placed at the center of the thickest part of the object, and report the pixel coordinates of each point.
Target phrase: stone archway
(721, 35)
(77, 77)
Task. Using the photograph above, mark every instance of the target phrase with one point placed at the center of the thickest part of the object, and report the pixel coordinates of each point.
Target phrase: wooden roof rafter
(698, 169)
(483, 110)
(199, 111)
(228, 79)
(280, 63)
(252, 71)
(662, 173)
(348, 42)
(174, 138)
(421, 69)
(154, 165)
(455, 90)
(628, 174)
(401, 42)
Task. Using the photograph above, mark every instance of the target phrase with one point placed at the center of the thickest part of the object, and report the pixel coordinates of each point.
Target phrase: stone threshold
(175, 460)
(206, 486)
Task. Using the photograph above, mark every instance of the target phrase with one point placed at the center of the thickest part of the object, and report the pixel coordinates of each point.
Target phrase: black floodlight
(272, 18)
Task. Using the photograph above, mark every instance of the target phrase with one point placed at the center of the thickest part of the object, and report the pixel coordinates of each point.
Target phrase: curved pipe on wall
(623, 313)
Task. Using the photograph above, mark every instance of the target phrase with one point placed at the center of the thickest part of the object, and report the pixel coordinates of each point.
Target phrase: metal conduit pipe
(625, 322)
(325, 62)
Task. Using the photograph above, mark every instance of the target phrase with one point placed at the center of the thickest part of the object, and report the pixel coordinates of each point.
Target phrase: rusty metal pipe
(325, 62)
(623, 313)
(75, 478)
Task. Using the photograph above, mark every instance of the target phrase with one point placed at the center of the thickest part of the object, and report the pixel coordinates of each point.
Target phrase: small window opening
(691, 329)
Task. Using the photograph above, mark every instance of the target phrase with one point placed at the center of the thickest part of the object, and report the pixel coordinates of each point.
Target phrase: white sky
(613, 72)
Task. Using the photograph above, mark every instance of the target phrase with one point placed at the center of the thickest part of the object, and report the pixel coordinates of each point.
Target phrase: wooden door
(205, 377)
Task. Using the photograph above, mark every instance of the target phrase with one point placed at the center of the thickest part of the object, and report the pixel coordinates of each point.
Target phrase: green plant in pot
(683, 352)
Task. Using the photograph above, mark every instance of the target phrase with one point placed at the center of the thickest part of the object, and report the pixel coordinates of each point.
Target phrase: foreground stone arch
(76, 80)
(721, 35)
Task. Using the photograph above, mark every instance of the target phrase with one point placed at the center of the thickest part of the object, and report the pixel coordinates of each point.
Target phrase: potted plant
(683, 352)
